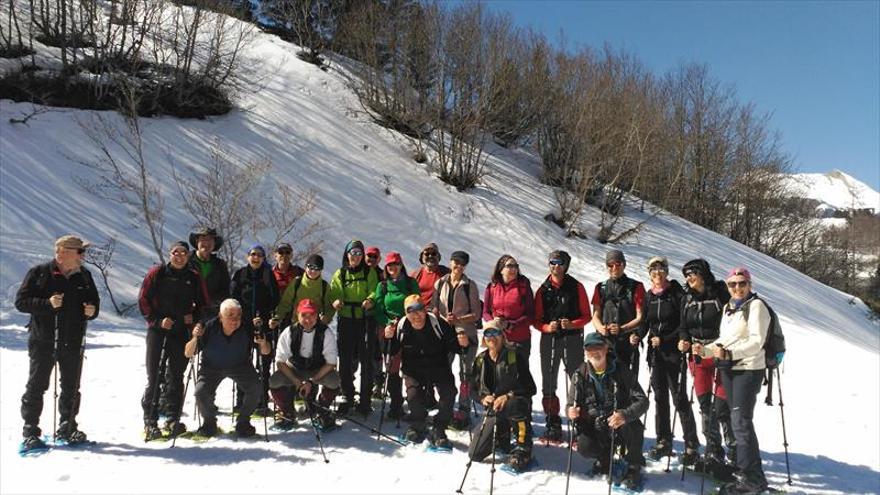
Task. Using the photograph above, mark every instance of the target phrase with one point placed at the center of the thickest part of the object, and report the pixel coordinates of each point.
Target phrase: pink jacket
(515, 303)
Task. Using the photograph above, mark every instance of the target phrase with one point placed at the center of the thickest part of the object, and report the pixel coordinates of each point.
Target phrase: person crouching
(306, 357)
(227, 357)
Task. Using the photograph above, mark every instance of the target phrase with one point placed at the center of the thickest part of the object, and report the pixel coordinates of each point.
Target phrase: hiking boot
(461, 421)
(661, 449)
(742, 485)
(364, 409)
(553, 430)
(599, 468)
(68, 433)
(244, 429)
(519, 459)
(439, 439)
(174, 427)
(208, 429)
(152, 432)
(326, 421)
(414, 436)
(690, 456)
(395, 413)
(33, 442)
(632, 480)
(344, 407)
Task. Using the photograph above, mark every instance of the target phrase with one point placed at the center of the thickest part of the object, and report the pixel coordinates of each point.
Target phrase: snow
(318, 138)
(836, 190)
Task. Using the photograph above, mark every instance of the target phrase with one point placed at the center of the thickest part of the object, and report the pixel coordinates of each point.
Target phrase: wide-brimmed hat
(194, 237)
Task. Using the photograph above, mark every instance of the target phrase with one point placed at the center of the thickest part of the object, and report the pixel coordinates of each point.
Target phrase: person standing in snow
(311, 286)
(605, 399)
(662, 314)
(562, 310)
(307, 358)
(509, 301)
(172, 299)
(225, 343)
(424, 343)
(618, 309)
(210, 267)
(253, 285)
(739, 355)
(60, 297)
(701, 311)
(429, 273)
(389, 296)
(285, 271)
(351, 290)
(505, 386)
(457, 299)
(373, 255)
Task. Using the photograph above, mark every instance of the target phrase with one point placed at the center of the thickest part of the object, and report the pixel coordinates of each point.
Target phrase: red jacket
(515, 303)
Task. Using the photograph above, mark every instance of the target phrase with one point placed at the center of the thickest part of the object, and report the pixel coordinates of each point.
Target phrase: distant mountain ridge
(835, 190)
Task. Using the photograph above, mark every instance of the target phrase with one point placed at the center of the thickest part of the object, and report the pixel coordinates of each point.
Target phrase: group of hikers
(268, 328)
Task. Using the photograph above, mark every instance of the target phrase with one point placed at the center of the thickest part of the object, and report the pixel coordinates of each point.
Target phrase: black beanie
(315, 259)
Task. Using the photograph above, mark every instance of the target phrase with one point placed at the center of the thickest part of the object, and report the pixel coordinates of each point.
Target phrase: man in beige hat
(61, 297)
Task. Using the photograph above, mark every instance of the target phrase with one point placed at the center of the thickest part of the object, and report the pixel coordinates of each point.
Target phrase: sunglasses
(738, 283)
(179, 252)
(658, 269)
(615, 264)
(257, 254)
(691, 272)
(373, 256)
(285, 252)
(315, 268)
(356, 253)
(511, 265)
(415, 307)
(557, 262)
(430, 254)
(493, 332)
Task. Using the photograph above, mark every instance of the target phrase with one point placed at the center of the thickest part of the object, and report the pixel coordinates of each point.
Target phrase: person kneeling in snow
(424, 342)
(604, 401)
(505, 388)
(226, 357)
(306, 357)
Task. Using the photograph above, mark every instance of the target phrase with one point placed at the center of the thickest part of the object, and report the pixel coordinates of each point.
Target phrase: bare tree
(101, 257)
(124, 175)
(286, 219)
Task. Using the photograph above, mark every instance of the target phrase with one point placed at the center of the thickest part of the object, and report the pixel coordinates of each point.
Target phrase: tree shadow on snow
(194, 454)
(17, 340)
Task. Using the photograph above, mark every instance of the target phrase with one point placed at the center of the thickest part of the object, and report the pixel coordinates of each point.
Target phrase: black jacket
(594, 393)
(171, 293)
(662, 317)
(509, 374)
(701, 312)
(245, 281)
(425, 353)
(40, 283)
(217, 282)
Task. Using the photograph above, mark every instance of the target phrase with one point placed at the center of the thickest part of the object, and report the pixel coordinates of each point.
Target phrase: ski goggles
(356, 252)
(557, 262)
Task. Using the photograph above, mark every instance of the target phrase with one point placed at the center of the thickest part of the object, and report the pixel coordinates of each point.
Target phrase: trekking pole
(354, 420)
(714, 399)
(387, 361)
(691, 405)
(185, 388)
(552, 360)
(681, 391)
(195, 373)
(261, 368)
(155, 402)
(784, 435)
(574, 380)
(492, 472)
(652, 365)
(310, 408)
(55, 374)
(613, 435)
(232, 407)
(479, 435)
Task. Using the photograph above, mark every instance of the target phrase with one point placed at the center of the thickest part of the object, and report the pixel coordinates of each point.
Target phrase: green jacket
(352, 289)
(303, 287)
(389, 298)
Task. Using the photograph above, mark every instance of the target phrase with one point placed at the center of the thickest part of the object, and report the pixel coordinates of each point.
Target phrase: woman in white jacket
(739, 352)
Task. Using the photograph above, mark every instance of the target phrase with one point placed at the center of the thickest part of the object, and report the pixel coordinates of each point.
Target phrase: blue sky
(814, 65)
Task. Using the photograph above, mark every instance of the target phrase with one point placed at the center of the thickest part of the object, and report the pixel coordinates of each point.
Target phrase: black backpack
(775, 341)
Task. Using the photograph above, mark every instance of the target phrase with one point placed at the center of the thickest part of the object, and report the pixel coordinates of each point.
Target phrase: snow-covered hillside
(835, 190)
(310, 125)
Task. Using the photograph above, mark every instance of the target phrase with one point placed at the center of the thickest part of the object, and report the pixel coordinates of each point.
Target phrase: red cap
(393, 257)
(372, 251)
(306, 306)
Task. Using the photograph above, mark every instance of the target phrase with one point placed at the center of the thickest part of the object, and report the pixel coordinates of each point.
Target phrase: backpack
(467, 293)
(774, 344)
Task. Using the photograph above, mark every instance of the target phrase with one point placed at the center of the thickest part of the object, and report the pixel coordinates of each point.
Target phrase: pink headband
(740, 271)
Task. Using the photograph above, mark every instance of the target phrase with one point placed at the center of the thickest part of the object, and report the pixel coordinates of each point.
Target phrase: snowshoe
(553, 432)
(325, 422)
(711, 467)
(68, 434)
(519, 460)
(32, 445)
(740, 485)
(632, 481)
(284, 423)
(413, 436)
(344, 407)
(659, 450)
(207, 430)
(689, 457)
(174, 428)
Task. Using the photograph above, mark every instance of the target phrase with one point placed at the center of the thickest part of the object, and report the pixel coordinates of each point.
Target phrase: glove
(779, 356)
(601, 423)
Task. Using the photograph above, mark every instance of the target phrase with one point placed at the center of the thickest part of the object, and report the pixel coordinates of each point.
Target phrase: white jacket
(744, 339)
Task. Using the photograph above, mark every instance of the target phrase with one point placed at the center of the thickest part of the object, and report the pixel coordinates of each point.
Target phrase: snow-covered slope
(309, 124)
(835, 190)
